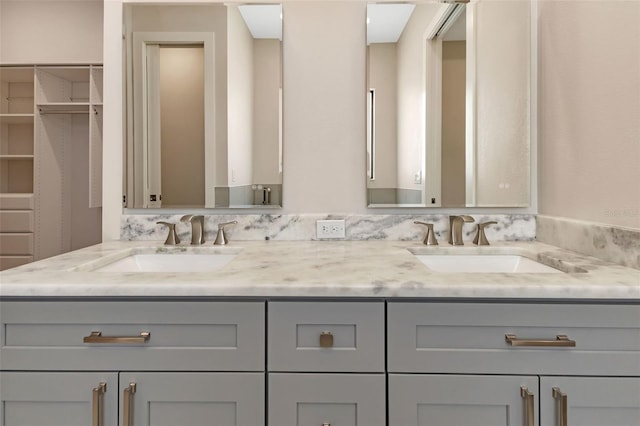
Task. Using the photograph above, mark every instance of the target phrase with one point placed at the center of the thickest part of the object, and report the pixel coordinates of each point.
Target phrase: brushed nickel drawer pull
(527, 406)
(561, 340)
(127, 409)
(98, 404)
(97, 337)
(326, 424)
(561, 407)
(326, 339)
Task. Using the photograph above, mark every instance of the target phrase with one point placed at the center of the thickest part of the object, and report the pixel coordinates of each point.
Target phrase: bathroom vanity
(320, 333)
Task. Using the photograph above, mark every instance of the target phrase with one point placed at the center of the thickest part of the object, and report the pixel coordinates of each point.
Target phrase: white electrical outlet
(326, 229)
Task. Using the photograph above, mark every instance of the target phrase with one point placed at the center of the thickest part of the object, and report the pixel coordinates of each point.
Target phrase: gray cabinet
(545, 342)
(192, 399)
(164, 363)
(204, 363)
(590, 401)
(326, 400)
(439, 400)
(58, 399)
(323, 337)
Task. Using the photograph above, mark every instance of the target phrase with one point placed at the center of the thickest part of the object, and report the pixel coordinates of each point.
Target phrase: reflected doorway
(175, 99)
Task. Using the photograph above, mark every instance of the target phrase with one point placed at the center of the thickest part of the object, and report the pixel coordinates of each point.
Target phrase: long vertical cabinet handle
(98, 404)
(561, 407)
(527, 406)
(127, 410)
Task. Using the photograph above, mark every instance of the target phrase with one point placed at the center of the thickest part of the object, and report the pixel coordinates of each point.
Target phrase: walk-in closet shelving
(50, 160)
(17, 152)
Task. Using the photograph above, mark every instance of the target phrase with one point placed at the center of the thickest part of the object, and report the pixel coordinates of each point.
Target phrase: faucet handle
(481, 238)
(221, 238)
(430, 238)
(172, 238)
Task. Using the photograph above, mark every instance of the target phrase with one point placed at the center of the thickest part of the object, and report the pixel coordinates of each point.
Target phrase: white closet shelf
(76, 73)
(16, 118)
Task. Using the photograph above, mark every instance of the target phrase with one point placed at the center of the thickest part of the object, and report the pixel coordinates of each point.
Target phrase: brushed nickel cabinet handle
(326, 424)
(561, 407)
(326, 339)
(98, 404)
(97, 337)
(561, 340)
(127, 409)
(527, 406)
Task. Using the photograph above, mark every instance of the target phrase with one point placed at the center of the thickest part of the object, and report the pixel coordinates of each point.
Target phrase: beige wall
(29, 35)
(454, 87)
(589, 159)
(324, 107)
(267, 81)
(382, 71)
(182, 125)
(240, 99)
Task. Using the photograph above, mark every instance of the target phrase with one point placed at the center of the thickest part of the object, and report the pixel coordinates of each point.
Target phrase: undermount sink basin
(168, 263)
(484, 263)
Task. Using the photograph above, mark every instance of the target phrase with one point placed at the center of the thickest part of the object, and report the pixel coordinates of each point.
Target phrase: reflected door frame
(143, 136)
(447, 14)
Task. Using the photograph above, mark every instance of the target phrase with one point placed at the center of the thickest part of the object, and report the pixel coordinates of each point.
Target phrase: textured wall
(590, 111)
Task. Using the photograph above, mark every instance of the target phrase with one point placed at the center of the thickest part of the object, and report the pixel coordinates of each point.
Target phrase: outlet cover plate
(330, 229)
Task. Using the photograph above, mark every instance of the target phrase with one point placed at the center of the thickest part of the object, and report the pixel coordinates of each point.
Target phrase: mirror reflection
(448, 106)
(204, 106)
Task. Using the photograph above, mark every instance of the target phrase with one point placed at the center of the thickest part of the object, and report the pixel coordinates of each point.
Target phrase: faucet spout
(455, 228)
(197, 228)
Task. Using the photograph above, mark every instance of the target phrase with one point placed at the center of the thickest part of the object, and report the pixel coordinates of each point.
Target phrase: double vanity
(320, 333)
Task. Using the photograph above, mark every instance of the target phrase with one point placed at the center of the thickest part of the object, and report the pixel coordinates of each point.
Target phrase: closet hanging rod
(65, 111)
(18, 97)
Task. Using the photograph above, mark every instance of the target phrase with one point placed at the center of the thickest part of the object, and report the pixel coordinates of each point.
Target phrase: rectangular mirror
(203, 106)
(449, 104)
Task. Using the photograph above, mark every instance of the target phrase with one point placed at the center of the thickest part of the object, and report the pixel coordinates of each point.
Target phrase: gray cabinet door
(193, 399)
(449, 400)
(591, 401)
(326, 399)
(58, 399)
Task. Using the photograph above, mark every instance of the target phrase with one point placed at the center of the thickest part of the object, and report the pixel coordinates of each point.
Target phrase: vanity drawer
(204, 336)
(471, 338)
(326, 336)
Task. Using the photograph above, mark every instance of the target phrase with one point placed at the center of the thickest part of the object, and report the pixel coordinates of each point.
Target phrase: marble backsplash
(303, 227)
(610, 243)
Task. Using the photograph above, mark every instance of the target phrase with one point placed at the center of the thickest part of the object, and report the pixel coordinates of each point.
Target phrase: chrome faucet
(455, 228)
(197, 228)
(221, 238)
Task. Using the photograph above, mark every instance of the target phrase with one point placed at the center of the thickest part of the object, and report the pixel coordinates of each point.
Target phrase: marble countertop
(384, 269)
